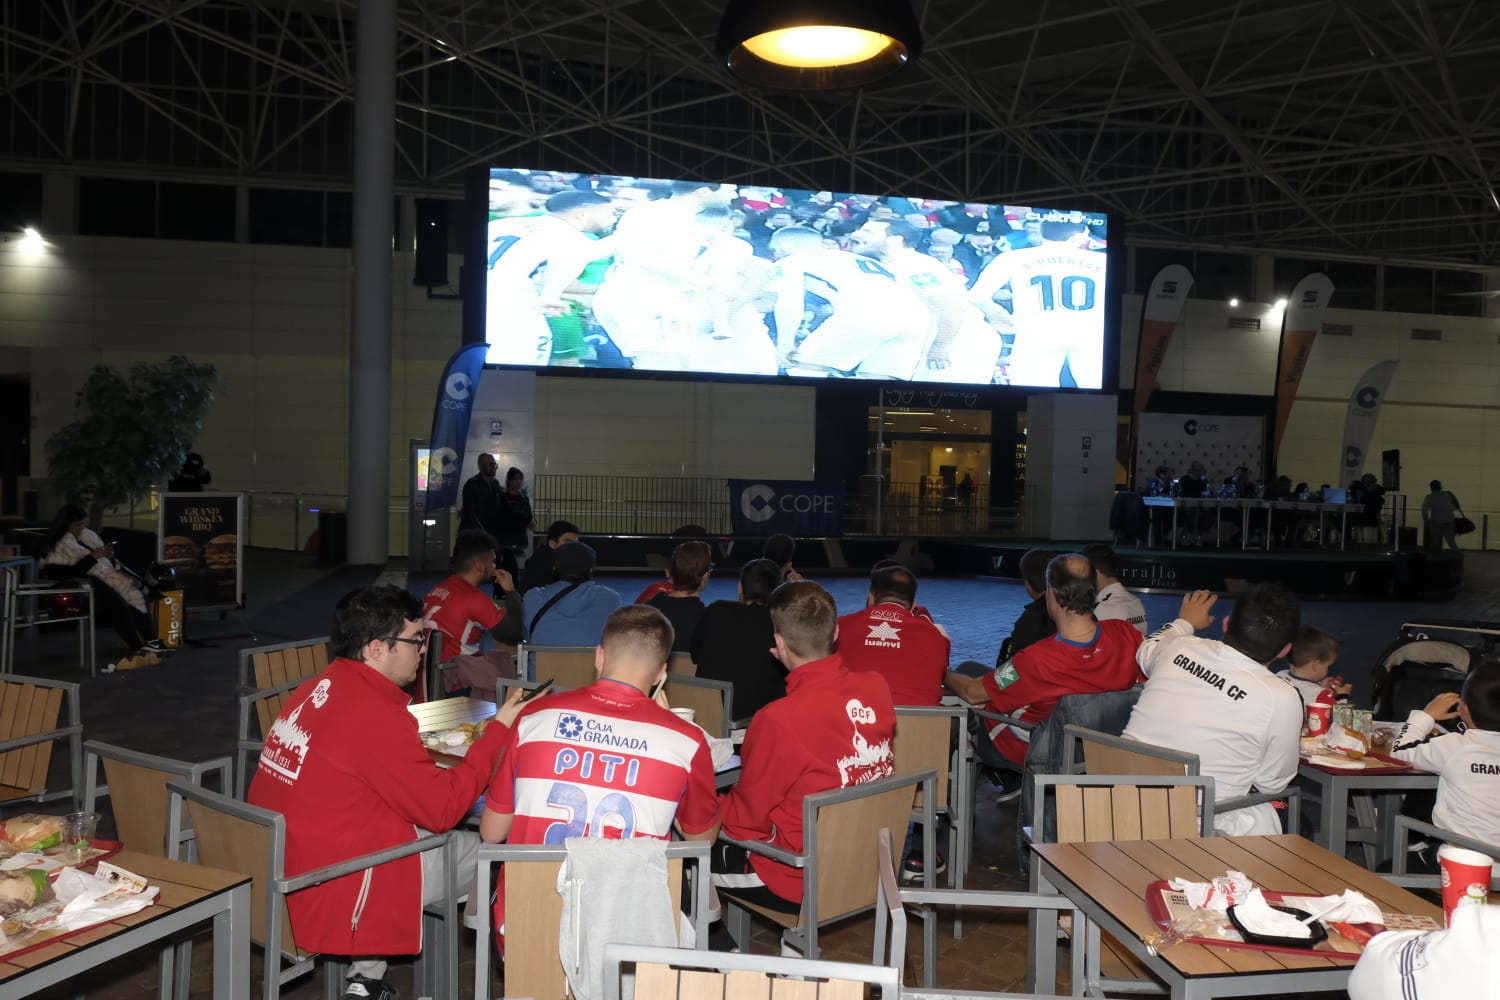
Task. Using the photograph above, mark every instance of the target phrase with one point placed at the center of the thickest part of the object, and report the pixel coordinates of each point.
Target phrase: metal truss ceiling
(1338, 127)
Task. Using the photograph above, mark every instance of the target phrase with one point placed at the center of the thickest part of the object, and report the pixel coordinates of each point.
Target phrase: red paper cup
(1319, 715)
(1466, 877)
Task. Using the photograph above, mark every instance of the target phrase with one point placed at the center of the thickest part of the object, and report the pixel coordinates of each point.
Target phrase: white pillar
(1070, 465)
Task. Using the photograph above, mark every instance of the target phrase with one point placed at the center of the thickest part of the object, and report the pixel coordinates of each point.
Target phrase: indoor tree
(130, 431)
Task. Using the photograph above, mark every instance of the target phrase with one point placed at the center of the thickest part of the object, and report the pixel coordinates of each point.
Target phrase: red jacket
(344, 764)
(1030, 684)
(899, 645)
(833, 729)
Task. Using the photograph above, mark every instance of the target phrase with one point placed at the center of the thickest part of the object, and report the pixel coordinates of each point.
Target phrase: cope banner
(198, 535)
(800, 508)
(450, 425)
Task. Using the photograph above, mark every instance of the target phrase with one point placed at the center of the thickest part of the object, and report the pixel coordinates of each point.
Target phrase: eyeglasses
(419, 643)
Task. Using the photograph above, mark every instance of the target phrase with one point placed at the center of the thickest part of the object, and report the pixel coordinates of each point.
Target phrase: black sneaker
(1009, 786)
(911, 865)
(158, 647)
(363, 988)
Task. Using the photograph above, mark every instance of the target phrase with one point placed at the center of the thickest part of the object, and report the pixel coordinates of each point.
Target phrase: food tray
(1161, 900)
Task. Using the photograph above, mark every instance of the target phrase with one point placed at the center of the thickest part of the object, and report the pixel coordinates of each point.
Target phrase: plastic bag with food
(31, 832)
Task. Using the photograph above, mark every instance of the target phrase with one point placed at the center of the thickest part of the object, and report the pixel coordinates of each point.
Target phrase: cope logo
(755, 502)
(456, 391)
(1191, 428)
(1367, 397)
(1354, 458)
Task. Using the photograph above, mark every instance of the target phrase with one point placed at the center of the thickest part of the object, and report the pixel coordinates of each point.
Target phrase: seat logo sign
(755, 502)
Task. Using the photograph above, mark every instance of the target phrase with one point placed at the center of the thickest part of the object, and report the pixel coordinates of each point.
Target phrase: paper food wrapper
(81, 900)
(1229, 889)
(720, 750)
(1257, 917)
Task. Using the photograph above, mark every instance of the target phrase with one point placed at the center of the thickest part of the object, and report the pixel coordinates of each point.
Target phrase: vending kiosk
(428, 533)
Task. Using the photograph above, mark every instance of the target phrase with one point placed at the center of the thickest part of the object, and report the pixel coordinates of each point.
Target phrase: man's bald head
(1070, 581)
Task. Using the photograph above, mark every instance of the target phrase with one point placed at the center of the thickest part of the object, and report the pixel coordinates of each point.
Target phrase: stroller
(1426, 659)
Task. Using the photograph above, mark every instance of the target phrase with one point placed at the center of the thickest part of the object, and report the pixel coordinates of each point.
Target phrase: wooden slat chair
(268, 676)
(136, 784)
(682, 665)
(31, 721)
(712, 702)
(927, 738)
(840, 836)
(681, 974)
(1105, 754)
(237, 837)
(1405, 825)
(1092, 808)
(569, 666)
(533, 911)
(15, 595)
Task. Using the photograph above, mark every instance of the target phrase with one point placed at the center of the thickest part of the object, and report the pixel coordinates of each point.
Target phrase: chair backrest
(1093, 808)
(1406, 826)
(924, 742)
(1106, 754)
(712, 702)
(841, 830)
(137, 787)
(682, 974)
(31, 706)
(569, 666)
(235, 836)
(266, 667)
(682, 665)
(533, 913)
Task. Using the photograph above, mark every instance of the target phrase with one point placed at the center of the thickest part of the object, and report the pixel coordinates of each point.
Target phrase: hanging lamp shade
(817, 44)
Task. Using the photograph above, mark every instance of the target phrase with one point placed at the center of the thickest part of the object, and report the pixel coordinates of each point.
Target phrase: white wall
(1442, 410)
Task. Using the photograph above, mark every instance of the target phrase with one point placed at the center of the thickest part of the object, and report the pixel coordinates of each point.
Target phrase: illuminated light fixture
(1281, 303)
(817, 44)
(1234, 303)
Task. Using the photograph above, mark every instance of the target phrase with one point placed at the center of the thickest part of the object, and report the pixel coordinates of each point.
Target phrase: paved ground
(186, 708)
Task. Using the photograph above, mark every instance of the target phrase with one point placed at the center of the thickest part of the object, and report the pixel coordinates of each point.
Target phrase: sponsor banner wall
(1359, 426)
(800, 508)
(198, 535)
(1222, 444)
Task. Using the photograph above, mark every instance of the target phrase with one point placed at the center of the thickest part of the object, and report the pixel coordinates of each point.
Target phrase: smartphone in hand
(539, 689)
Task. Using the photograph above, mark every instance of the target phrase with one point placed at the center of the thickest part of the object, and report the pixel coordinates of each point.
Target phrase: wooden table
(190, 895)
(1385, 778)
(1107, 880)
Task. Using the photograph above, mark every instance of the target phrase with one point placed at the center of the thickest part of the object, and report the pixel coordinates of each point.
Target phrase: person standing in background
(479, 505)
(513, 520)
(1439, 508)
(192, 477)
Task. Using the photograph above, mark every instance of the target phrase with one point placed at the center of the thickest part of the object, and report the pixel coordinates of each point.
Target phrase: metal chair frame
(14, 592)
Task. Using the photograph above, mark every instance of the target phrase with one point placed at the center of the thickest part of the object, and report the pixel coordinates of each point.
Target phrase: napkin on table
(1220, 894)
(1257, 917)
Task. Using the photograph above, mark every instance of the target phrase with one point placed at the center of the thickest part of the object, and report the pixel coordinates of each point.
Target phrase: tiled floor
(186, 708)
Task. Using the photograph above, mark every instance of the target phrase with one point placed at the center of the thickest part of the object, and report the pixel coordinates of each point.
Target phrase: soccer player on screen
(1057, 304)
(649, 303)
(963, 347)
(839, 313)
(534, 262)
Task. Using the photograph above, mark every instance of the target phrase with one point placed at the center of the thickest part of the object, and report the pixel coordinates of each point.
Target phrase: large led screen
(600, 272)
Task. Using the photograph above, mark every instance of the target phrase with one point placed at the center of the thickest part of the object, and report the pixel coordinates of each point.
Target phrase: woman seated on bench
(73, 549)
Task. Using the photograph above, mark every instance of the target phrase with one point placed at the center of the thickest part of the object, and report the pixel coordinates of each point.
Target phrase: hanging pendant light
(817, 44)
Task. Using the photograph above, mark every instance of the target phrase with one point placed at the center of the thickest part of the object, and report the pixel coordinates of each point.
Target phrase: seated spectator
(1467, 763)
(1415, 965)
(1034, 623)
(1218, 700)
(1313, 653)
(889, 639)
(538, 571)
(570, 612)
(1086, 656)
(733, 641)
(832, 730)
(667, 782)
(1114, 601)
(73, 549)
(917, 609)
(688, 572)
(781, 550)
(344, 765)
(461, 614)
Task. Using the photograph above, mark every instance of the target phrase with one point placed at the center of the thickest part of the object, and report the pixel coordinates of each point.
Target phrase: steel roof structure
(1346, 128)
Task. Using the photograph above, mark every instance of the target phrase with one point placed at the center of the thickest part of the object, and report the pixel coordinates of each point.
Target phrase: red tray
(1387, 765)
(1156, 909)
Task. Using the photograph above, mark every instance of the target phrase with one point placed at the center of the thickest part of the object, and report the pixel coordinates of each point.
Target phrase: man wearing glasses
(344, 765)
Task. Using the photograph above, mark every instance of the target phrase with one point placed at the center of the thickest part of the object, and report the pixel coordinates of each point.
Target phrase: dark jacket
(1034, 625)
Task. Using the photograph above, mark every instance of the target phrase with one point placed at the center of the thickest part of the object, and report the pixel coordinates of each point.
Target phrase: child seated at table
(1467, 762)
(1314, 651)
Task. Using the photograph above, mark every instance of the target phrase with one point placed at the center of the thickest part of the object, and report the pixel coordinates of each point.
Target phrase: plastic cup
(1319, 716)
(78, 834)
(685, 714)
(1465, 876)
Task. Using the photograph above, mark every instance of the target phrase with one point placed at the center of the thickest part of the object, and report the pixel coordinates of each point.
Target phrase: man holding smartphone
(625, 766)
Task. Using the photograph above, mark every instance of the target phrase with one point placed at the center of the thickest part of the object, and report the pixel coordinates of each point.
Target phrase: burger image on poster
(221, 554)
(1219, 443)
(179, 552)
